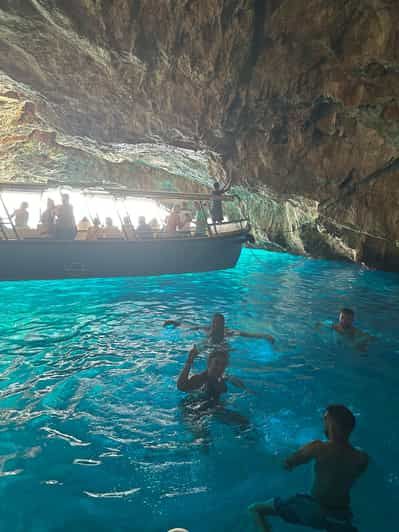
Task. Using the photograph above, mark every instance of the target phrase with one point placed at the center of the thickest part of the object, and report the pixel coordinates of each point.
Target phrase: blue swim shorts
(306, 511)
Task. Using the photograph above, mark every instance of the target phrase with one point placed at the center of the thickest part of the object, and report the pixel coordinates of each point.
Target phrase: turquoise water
(95, 436)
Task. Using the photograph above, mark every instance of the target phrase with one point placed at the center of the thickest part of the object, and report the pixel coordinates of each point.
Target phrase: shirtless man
(217, 330)
(346, 328)
(337, 465)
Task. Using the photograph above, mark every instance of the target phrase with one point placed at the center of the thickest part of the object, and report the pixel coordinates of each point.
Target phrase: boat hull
(52, 259)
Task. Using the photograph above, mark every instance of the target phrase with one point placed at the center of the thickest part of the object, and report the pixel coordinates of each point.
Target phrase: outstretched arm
(185, 383)
(304, 455)
(268, 337)
(177, 323)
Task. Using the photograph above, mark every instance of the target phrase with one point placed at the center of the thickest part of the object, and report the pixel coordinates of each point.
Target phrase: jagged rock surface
(298, 97)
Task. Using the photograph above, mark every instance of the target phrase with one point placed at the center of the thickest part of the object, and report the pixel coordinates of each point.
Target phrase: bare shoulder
(317, 447)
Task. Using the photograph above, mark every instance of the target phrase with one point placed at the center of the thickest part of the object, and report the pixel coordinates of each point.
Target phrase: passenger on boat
(110, 230)
(155, 227)
(21, 216)
(201, 219)
(47, 220)
(94, 231)
(83, 229)
(216, 203)
(217, 330)
(173, 222)
(128, 228)
(337, 465)
(184, 210)
(65, 226)
(186, 225)
(143, 229)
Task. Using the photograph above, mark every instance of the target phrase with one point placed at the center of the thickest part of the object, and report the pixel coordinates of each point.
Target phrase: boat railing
(210, 231)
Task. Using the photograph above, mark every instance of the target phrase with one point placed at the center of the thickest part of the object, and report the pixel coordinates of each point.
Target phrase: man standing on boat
(65, 226)
(21, 216)
(216, 204)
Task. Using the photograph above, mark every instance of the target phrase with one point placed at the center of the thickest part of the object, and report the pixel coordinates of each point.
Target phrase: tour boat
(27, 254)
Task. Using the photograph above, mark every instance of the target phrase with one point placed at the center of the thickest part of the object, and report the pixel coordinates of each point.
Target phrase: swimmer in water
(346, 328)
(217, 330)
(212, 381)
(337, 465)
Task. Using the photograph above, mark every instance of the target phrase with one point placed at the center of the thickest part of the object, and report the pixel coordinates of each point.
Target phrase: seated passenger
(173, 222)
(83, 229)
(65, 226)
(143, 229)
(217, 330)
(94, 231)
(110, 230)
(155, 227)
(186, 225)
(337, 465)
(47, 220)
(128, 228)
(21, 216)
(201, 219)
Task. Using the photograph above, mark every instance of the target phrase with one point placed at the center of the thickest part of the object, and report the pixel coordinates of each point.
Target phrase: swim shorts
(306, 511)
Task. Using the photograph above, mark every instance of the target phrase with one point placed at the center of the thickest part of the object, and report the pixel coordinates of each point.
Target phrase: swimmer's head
(217, 328)
(217, 363)
(346, 317)
(339, 422)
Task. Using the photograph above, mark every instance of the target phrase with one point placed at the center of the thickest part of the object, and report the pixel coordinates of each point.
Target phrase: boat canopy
(115, 190)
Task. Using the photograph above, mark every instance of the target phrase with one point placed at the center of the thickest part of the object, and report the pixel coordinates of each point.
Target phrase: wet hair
(348, 311)
(217, 334)
(219, 316)
(343, 418)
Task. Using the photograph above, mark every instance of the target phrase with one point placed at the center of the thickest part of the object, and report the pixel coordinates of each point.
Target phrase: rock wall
(300, 98)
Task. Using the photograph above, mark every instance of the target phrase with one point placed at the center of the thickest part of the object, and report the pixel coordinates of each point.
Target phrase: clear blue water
(95, 436)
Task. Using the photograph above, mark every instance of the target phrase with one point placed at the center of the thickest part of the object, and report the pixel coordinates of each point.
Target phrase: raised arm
(185, 383)
(304, 455)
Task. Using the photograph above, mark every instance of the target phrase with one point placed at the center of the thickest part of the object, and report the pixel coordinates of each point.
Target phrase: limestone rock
(299, 97)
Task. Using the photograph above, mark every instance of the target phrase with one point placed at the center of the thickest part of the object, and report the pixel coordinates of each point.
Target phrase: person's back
(173, 222)
(143, 229)
(336, 469)
(337, 466)
(21, 216)
(65, 227)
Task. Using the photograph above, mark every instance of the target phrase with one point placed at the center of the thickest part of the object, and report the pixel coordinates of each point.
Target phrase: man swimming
(212, 381)
(217, 330)
(337, 466)
(346, 328)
